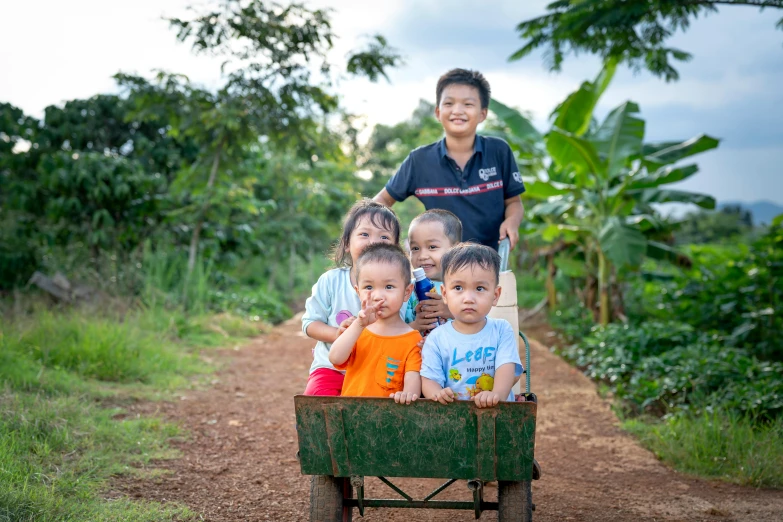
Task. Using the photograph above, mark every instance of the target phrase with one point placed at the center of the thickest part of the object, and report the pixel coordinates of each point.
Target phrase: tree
(599, 188)
(389, 145)
(630, 31)
(729, 223)
(276, 87)
(83, 175)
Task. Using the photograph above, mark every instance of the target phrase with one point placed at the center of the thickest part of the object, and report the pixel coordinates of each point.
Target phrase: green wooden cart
(344, 439)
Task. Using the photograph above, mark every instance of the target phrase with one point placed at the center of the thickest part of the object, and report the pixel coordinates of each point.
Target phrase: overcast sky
(51, 51)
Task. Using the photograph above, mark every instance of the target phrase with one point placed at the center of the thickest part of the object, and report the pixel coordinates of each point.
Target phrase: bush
(667, 367)
(573, 320)
(732, 292)
(163, 285)
(253, 304)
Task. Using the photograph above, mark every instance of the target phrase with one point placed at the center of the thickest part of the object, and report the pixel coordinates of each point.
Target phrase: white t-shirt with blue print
(466, 363)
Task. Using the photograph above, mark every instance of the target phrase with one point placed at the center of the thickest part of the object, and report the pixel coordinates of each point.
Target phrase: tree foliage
(388, 147)
(270, 52)
(729, 223)
(629, 31)
(259, 166)
(595, 198)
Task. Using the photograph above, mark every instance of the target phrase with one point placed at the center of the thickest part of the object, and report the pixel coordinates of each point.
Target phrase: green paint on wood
(346, 436)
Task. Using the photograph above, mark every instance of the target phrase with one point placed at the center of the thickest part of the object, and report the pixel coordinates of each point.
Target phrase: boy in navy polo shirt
(475, 177)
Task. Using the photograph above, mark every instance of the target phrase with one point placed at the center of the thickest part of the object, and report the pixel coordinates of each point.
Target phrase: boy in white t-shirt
(474, 357)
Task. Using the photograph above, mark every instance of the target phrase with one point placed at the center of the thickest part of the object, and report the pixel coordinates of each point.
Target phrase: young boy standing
(473, 357)
(379, 351)
(430, 235)
(475, 177)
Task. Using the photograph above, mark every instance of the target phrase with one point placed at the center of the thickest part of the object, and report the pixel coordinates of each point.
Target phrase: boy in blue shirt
(475, 177)
(430, 235)
(473, 357)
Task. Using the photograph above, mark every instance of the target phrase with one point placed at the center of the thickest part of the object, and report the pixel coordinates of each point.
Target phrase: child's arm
(504, 380)
(343, 346)
(384, 198)
(433, 367)
(328, 334)
(512, 219)
(411, 389)
(433, 390)
(317, 310)
(321, 331)
(507, 367)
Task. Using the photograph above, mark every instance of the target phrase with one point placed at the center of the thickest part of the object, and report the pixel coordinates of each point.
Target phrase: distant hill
(763, 211)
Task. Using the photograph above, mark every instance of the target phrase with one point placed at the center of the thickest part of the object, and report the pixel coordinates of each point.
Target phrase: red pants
(325, 382)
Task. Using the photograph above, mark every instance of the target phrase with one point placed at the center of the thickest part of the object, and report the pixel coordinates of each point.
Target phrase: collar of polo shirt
(478, 146)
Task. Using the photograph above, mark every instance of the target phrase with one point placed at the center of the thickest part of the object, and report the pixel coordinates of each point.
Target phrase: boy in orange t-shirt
(379, 352)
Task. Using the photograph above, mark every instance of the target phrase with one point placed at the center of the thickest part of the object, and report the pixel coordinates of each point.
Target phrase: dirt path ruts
(239, 462)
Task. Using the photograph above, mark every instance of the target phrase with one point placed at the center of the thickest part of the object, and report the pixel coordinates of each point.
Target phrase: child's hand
(509, 228)
(403, 397)
(444, 396)
(344, 325)
(422, 324)
(486, 399)
(434, 307)
(369, 313)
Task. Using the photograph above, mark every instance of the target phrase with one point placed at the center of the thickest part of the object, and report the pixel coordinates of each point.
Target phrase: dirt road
(239, 462)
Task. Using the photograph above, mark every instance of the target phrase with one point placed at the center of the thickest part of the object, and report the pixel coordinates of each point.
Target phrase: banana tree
(603, 181)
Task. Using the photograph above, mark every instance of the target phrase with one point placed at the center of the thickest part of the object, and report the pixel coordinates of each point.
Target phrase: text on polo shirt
(450, 191)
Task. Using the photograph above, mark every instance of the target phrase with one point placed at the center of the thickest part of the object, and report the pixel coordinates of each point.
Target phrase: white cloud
(55, 51)
(731, 174)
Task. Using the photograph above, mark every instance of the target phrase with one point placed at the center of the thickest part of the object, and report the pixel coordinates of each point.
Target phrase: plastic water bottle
(422, 286)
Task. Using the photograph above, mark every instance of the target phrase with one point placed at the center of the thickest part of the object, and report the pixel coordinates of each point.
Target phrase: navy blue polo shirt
(476, 194)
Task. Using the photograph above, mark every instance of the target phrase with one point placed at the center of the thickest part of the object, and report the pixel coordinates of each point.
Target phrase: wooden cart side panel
(370, 437)
(313, 439)
(516, 446)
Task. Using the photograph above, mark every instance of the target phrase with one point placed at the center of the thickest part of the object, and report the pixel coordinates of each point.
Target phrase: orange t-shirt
(377, 365)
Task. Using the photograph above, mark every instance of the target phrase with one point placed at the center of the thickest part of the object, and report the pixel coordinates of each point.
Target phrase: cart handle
(527, 362)
(504, 250)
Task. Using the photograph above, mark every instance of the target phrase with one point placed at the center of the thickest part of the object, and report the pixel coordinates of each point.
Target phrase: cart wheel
(515, 501)
(326, 499)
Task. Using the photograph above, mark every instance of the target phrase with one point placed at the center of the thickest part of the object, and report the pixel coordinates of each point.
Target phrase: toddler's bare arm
(411, 389)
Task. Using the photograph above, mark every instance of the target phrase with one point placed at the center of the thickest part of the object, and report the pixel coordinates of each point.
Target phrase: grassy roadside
(718, 445)
(59, 441)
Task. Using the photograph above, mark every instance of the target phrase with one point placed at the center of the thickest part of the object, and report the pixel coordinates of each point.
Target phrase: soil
(239, 461)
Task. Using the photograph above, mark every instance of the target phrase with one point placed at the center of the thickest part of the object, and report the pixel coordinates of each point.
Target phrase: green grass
(721, 446)
(60, 442)
(57, 453)
(103, 349)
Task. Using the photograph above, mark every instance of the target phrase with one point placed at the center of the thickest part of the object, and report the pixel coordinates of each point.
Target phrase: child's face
(460, 110)
(428, 243)
(384, 284)
(470, 293)
(364, 234)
